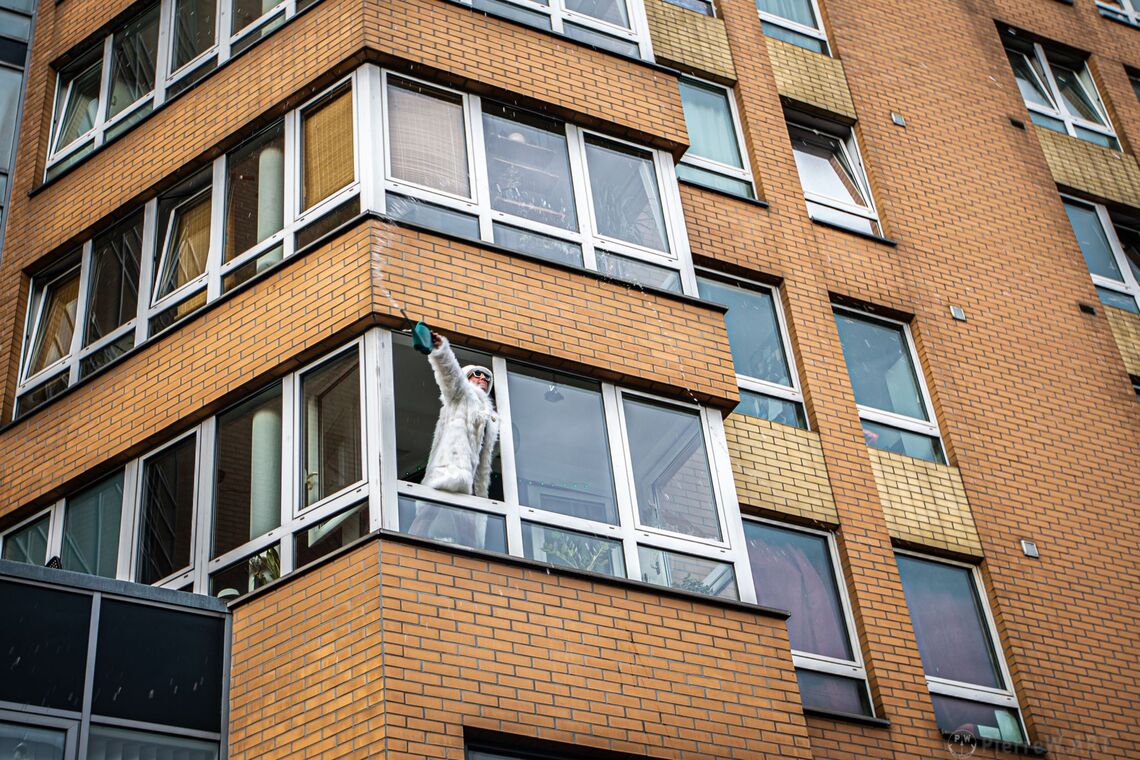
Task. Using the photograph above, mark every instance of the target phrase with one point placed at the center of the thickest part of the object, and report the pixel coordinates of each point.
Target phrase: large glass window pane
(41, 394)
(91, 528)
(1130, 242)
(29, 543)
(978, 719)
(715, 181)
(133, 55)
(544, 246)
(1030, 79)
(432, 215)
(825, 691)
(562, 453)
(417, 410)
(638, 272)
(184, 217)
(247, 477)
(688, 573)
(792, 571)
(245, 12)
(247, 575)
(627, 201)
(453, 525)
(107, 742)
(55, 326)
(43, 646)
(611, 11)
(328, 157)
(784, 34)
(949, 625)
(753, 332)
(1078, 94)
(77, 104)
(330, 428)
(528, 165)
(799, 11)
(1093, 241)
(159, 665)
(331, 534)
(255, 191)
(878, 360)
(10, 82)
(771, 408)
(824, 167)
(113, 292)
(427, 137)
(194, 25)
(671, 469)
(167, 512)
(904, 442)
(568, 548)
(708, 116)
(27, 742)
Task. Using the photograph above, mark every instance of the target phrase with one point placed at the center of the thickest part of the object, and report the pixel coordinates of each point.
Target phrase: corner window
(91, 528)
(1059, 92)
(834, 182)
(764, 367)
(794, 21)
(795, 569)
(127, 74)
(889, 390)
(618, 26)
(1112, 253)
(484, 170)
(965, 671)
(715, 157)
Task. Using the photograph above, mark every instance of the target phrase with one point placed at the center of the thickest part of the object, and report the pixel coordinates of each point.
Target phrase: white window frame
(55, 529)
(958, 689)
(1128, 285)
(1124, 11)
(849, 148)
(791, 393)
(637, 33)
(856, 667)
(890, 419)
(743, 174)
(677, 259)
(165, 77)
(794, 26)
(154, 245)
(1059, 112)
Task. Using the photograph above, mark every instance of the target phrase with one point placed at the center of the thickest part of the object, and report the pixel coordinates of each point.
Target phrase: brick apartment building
(818, 438)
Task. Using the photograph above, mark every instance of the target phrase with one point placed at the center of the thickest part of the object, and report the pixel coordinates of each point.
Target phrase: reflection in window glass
(29, 543)
(1030, 79)
(91, 528)
(792, 571)
(174, 678)
(328, 158)
(41, 394)
(708, 116)
(167, 512)
(902, 442)
(417, 409)
(543, 246)
(949, 625)
(43, 645)
(23, 741)
(1118, 300)
(133, 55)
(753, 332)
(627, 202)
(245, 12)
(710, 179)
(568, 548)
(330, 428)
(638, 272)
(332, 534)
(984, 721)
(1093, 241)
(427, 137)
(114, 287)
(826, 691)
(56, 324)
(611, 11)
(771, 408)
(10, 83)
(528, 164)
(688, 573)
(247, 499)
(878, 360)
(186, 243)
(433, 216)
(671, 469)
(77, 104)
(255, 191)
(453, 525)
(1130, 244)
(562, 455)
(247, 575)
(193, 31)
(107, 742)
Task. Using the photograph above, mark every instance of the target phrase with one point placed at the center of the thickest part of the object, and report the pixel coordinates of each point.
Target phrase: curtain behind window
(427, 138)
(329, 162)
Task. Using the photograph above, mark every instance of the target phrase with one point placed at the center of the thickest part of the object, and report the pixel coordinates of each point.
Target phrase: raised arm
(448, 374)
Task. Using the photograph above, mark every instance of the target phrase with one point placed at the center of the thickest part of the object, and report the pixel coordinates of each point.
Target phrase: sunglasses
(480, 374)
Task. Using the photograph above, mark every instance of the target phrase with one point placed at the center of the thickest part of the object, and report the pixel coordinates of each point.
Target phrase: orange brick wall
(394, 648)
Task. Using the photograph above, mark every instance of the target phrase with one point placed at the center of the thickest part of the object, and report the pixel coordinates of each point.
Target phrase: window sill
(847, 717)
(1015, 748)
(858, 233)
(705, 188)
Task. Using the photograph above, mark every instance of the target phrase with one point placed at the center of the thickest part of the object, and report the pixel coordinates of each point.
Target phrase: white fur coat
(466, 432)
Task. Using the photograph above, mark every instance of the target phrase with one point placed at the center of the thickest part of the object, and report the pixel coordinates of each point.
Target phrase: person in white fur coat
(468, 427)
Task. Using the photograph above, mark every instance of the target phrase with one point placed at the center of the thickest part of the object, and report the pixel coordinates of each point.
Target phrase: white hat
(475, 367)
